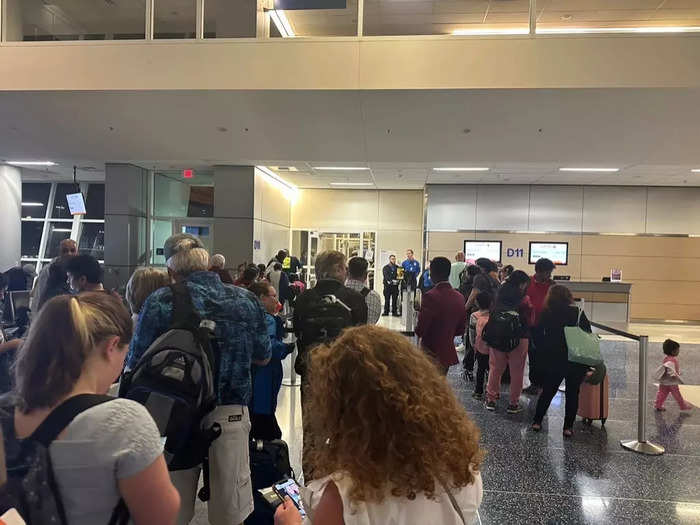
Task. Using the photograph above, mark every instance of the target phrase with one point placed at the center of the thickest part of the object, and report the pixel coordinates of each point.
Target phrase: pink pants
(498, 361)
(664, 391)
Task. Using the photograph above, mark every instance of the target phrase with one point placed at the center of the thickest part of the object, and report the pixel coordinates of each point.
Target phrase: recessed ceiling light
(486, 32)
(592, 170)
(462, 169)
(32, 204)
(583, 30)
(352, 184)
(341, 168)
(696, 170)
(31, 163)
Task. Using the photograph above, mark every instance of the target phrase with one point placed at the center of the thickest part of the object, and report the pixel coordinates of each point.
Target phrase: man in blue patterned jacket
(242, 340)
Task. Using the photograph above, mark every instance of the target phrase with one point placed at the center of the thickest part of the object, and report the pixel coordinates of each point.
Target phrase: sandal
(568, 432)
(536, 427)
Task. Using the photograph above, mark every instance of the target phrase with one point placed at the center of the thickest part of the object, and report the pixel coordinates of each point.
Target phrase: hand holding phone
(289, 488)
(287, 513)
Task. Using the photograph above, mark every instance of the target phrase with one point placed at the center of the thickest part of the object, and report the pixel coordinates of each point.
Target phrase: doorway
(307, 244)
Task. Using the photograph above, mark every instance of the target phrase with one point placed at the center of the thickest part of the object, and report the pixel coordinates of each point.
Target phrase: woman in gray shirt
(77, 345)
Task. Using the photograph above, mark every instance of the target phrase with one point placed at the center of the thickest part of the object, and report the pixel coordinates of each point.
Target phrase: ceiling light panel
(341, 168)
(590, 170)
(31, 163)
(458, 169)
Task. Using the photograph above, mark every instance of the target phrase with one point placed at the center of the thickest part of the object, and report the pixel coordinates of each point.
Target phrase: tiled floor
(540, 478)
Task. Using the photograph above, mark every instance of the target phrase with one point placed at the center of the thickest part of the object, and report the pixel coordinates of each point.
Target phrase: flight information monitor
(557, 252)
(473, 250)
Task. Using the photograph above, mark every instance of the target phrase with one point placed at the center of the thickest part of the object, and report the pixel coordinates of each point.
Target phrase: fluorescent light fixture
(352, 184)
(67, 230)
(32, 204)
(341, 168)
(487, 32)
(583, 30)
(462, 169)
(281, 22)
(591, 170)
(290, 190)
(696, 170)
(31, 163)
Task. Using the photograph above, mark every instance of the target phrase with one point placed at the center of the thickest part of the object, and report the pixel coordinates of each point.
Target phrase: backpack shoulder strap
(184, 314)
(365, 292)
(61, 416)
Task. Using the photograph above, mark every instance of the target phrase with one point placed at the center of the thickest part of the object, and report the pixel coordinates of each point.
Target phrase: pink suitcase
(593, 402)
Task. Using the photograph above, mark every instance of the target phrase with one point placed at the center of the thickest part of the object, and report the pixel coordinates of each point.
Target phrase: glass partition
(32, 20)
(227, 19)
(566, 16)
(35, 199)
(341, 20)
(174, 18)
(449, 17)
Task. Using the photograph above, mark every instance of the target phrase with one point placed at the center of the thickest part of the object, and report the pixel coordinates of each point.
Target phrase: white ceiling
(524, 136)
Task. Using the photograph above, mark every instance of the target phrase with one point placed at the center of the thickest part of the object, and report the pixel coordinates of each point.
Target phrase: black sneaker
(478, 396)
(491, 405)
(385, 314)
(514, 409)
(532, 390)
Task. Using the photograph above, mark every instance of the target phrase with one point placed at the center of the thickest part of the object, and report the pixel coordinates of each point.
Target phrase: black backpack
(269, 463)
(31, 488)
(176, 379)
(323, 320)
(502, 330)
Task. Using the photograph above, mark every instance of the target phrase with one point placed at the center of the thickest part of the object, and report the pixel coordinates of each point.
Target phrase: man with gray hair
(242, 340)
(217, 264)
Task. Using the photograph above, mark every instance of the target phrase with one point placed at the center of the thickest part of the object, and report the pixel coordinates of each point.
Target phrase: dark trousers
(535, 372)
(574, 374)
(482, 367)
(391, 296)
(265, 427)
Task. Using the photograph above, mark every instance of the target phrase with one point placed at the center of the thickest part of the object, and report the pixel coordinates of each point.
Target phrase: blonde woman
(394, 444)
(143, 282)
(75, 349)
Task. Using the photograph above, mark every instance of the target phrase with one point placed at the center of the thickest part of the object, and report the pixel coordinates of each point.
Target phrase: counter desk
(603, 301)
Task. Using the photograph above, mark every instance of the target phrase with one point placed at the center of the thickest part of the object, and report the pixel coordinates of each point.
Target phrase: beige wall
(396, 216)
(351, 63)
(271, 219)
(663, 270)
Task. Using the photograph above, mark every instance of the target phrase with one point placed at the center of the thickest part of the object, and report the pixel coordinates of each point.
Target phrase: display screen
(290, 488)
(473, 250)
(557, 252)
(76, 203)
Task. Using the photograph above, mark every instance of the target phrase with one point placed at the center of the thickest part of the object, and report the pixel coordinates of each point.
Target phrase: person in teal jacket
(267, 380)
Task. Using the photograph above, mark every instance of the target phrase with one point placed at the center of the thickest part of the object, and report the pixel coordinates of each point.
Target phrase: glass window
(201, 201)
(60, 203)
(31, 238)
(33, 20)
(227, 19)
(339, 19)
(57, 232)
(563, 15)
(175, 18)
(423, 17)
(92, 239)
(95, 202)
(35, 198)
(161, 230)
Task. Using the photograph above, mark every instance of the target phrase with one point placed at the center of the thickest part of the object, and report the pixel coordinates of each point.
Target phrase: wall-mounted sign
(615, 275)
(515, 252)
(256, 245)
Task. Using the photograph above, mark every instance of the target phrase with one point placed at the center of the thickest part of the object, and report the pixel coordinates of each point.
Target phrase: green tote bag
(584, 348)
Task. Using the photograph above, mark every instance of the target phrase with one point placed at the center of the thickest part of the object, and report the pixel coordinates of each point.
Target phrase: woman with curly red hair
(393, 445)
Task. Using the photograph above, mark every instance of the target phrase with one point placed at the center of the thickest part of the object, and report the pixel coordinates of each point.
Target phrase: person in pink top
(669, 377)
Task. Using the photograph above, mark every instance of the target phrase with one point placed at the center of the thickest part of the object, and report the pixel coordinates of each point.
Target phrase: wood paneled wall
(664, 271)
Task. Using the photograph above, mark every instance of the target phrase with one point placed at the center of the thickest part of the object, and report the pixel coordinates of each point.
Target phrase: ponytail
(59, 343)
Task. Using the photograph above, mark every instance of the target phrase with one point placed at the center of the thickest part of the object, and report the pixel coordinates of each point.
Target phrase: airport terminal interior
(510, 130)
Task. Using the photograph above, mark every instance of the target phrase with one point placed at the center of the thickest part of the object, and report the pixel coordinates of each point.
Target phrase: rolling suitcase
(593, 402)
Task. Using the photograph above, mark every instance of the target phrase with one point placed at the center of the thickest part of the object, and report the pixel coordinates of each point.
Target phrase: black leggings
(574, 374)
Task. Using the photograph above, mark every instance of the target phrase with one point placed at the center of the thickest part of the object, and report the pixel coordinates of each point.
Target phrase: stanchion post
(641, 445)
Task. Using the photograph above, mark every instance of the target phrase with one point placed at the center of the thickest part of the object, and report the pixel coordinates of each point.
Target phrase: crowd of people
(369, 428)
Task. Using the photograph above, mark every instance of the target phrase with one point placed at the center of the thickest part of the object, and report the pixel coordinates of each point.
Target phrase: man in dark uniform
(391, 287)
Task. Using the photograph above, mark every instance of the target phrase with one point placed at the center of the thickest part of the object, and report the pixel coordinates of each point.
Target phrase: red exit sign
(188, 174)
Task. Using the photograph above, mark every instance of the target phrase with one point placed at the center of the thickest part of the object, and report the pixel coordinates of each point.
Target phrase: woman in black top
(559, 311)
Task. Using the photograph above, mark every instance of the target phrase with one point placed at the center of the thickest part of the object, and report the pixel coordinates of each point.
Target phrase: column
(126, 205)
(10, 216)
(234, 190)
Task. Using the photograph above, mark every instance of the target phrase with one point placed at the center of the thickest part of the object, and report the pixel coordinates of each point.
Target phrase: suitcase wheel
(588, 421)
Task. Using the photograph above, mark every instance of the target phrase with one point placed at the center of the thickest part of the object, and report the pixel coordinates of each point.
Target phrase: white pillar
(10, 216)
